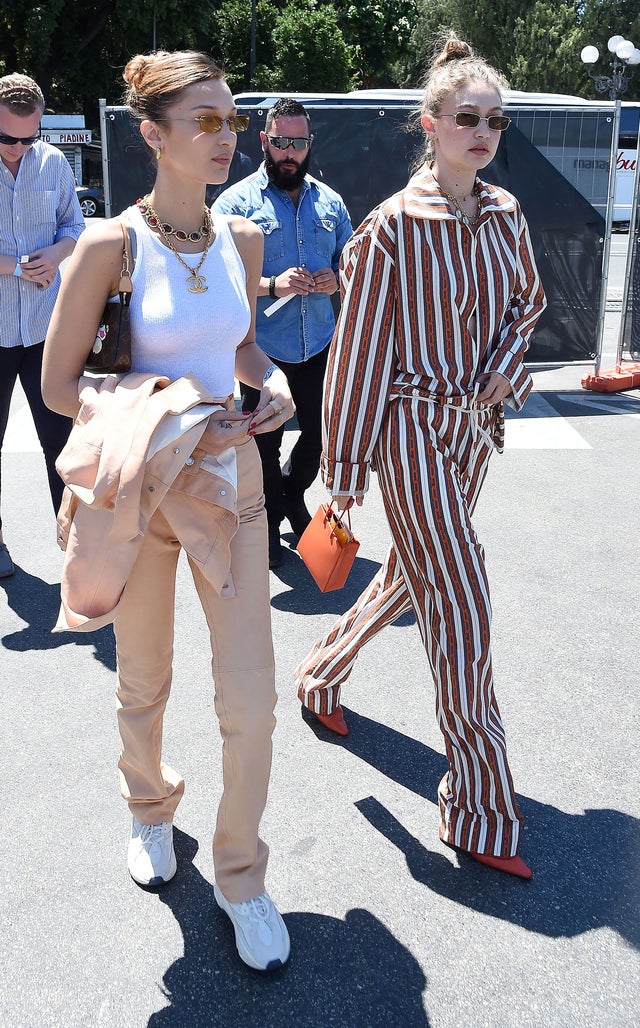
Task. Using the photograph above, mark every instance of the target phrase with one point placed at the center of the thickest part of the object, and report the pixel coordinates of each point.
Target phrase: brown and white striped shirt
(427, 304)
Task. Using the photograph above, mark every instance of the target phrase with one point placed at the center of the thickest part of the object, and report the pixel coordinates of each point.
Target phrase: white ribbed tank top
(173, 331)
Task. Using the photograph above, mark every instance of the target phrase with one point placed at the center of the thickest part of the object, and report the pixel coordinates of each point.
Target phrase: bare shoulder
(247, 236)
(99, 252)
(102, 240)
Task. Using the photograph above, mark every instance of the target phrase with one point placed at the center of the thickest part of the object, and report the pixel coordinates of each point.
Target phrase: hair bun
(454, 49)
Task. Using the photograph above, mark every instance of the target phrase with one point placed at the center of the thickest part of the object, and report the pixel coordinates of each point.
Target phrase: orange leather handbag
(328, 548)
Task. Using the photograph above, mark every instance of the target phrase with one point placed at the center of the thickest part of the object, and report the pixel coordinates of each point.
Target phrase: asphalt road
(388, 927)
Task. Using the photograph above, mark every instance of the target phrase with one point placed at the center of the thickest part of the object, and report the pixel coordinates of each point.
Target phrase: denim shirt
(310, 236)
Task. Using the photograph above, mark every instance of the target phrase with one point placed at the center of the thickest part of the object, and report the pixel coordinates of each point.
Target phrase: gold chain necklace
(153, 221)
(196, 283)
(461, 214)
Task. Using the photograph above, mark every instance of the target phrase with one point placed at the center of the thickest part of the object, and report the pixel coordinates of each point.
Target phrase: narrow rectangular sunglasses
(213, 122)
(284, 142)
(25, 140)
(466, 119)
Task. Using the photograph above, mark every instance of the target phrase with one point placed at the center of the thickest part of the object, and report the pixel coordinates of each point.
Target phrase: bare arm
(92, 275)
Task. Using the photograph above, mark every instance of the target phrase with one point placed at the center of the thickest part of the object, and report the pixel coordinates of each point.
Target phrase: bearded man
(305, 225)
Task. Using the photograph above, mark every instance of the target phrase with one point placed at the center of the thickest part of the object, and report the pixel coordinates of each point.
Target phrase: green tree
(379, 34)
(311, 51)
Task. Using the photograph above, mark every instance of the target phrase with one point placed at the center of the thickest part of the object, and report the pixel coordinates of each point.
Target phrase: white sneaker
(261, 934)
(151, 857)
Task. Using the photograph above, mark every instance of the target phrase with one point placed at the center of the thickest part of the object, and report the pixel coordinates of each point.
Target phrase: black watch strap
(272, 287)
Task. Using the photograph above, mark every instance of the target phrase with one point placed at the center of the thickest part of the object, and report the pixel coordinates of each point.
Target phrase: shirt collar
(424, 198)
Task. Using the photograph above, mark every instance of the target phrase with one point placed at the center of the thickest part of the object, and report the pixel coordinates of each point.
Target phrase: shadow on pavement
(304, 597)
(37, 603)
(586, 866)
(340, 972)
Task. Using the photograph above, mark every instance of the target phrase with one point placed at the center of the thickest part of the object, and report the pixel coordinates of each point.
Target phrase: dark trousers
(306, 382)
(25, 363)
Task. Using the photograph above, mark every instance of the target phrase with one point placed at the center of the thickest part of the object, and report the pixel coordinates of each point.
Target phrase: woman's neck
(452, 180)
(180, 204)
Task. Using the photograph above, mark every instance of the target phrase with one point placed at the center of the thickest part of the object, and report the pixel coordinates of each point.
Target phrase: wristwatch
(269, 372)
(272, 287)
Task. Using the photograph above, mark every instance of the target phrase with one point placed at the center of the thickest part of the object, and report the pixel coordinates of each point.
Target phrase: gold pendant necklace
(460, 213)
(196, 283)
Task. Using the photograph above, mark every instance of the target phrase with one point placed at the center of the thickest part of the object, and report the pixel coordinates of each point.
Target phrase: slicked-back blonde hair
(452, 67)
(156, 80)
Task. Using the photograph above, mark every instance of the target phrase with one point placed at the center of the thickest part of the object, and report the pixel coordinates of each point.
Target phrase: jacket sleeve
(361, 358)
(526, 304)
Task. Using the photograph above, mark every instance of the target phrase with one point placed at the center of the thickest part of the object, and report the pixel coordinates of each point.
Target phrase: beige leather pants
(243, 673)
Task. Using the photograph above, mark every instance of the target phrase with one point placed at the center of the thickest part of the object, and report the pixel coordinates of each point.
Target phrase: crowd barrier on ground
(555, 158)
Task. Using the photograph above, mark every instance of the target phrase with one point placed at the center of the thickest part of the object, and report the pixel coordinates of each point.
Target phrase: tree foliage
(77, 51)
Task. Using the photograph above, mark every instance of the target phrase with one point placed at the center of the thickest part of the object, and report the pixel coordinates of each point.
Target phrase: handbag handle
(125, 288)
(342, 533)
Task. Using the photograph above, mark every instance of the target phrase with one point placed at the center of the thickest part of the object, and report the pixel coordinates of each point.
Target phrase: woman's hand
(275, 405)
(346, 502)
(225, 429)
(493, 388)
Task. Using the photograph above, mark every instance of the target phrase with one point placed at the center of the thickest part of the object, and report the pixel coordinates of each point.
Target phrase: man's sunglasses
(213, 123)
(25, 140)
(284, 142)
(465, 119)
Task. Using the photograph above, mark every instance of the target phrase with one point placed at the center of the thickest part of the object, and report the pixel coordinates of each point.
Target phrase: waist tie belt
(465, 403)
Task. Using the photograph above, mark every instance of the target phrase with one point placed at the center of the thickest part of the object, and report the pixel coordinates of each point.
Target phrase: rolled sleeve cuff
(508, 363)
(343, 479)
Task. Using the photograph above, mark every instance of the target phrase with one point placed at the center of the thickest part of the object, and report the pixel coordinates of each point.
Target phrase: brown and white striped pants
(432, 460)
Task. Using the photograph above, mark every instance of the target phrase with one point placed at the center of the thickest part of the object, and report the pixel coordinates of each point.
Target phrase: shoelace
(153, 835)
(255, 909)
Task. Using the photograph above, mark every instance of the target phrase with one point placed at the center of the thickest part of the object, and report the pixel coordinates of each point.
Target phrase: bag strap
(125, 288)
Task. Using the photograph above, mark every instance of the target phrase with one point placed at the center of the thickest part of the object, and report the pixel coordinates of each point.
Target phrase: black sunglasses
(213, 122)
(465, 119)
(25, 140)
(284, 142)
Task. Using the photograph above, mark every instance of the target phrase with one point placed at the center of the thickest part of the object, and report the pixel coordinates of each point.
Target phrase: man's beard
(285, 179)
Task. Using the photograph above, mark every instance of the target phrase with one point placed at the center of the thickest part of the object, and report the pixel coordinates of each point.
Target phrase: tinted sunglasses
(465, 119)
(25, 140)
(213, 122)
(284, 142)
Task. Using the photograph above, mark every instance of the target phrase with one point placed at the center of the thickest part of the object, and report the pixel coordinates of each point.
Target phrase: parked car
(91, 200)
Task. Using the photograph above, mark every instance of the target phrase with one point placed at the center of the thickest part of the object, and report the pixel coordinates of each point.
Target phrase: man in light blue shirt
(40, 221)
(305, 225)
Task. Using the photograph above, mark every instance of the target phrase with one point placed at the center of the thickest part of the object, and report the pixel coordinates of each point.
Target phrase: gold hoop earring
(158, 153)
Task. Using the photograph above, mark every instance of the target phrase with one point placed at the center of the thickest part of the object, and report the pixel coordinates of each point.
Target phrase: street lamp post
(624, 57)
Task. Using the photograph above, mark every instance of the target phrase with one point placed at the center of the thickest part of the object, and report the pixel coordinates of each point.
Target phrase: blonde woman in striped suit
(440, 296)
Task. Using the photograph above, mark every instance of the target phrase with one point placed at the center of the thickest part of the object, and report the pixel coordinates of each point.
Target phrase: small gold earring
(158, 153)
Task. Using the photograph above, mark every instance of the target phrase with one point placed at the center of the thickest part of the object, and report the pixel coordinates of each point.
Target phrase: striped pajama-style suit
(428, 307)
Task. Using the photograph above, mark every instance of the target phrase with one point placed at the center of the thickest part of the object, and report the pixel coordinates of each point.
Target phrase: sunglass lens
(499, 122)
(465, 119)
(241, 122)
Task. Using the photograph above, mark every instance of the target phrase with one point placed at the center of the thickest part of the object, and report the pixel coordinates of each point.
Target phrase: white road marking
(540, 427)
(21, 436)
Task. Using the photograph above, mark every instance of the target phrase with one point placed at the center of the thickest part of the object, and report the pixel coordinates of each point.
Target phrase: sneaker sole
(273, 965)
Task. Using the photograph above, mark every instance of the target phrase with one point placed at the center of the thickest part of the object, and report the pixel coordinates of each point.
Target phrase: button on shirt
(310, 235)
(37, 208)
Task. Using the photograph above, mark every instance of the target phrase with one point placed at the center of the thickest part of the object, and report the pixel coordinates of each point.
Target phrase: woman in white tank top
(193, 311)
